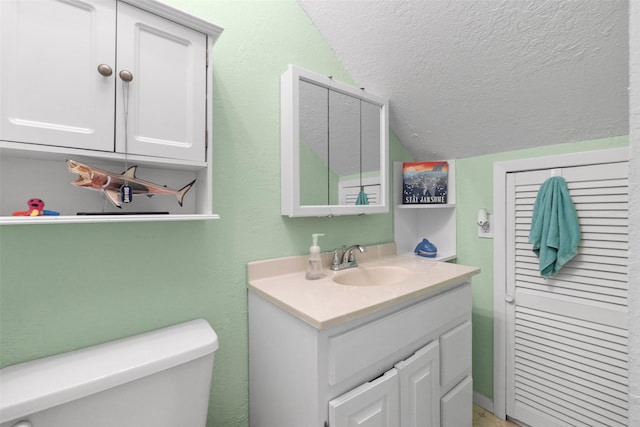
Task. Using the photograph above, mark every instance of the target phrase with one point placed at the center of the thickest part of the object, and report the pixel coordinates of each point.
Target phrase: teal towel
(555, 232)
(362, 197)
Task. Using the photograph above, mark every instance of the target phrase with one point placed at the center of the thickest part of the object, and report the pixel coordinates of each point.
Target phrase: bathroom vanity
(392, 348)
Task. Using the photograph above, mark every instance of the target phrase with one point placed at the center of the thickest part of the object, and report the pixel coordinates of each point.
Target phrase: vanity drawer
(360, 348)
(455, 355)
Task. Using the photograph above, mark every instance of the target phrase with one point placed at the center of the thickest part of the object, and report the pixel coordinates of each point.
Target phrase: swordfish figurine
(111, 184)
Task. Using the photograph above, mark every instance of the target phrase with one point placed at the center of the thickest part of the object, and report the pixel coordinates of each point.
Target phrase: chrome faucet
(347, 259)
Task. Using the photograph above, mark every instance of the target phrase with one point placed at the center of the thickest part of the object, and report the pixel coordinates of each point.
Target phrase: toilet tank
(157, 379)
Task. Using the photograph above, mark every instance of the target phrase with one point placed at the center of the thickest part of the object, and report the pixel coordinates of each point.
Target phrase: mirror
(334, 147)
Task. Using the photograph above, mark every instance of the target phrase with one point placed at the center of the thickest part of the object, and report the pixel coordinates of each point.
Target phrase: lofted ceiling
(472, 77)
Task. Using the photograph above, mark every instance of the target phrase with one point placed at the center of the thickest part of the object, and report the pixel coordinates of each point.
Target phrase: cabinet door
(374, 404)
(52, 92)
(457, 405)
(455, 347)
(167, 96)
(419, 388)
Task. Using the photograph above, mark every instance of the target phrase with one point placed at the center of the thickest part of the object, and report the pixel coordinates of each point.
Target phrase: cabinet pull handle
(126, 75)
(105, 70)
(509, 298)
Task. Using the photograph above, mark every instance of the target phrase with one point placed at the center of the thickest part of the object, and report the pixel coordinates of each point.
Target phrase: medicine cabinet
(334, 147)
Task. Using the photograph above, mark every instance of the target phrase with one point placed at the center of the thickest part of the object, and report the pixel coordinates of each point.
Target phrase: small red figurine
(36, 208)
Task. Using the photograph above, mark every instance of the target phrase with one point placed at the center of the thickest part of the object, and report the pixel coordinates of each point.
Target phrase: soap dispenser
(314, 269)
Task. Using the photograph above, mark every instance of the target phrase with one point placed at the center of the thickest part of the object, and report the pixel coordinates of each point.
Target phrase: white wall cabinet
(437, 223)
(400, 366)
(64, 96)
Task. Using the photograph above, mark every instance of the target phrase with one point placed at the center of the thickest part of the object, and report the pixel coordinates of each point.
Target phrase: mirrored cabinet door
(370, 153)
(314, 144)
(334, 147)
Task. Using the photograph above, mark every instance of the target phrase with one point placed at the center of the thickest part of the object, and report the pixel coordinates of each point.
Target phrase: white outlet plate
(487, 234)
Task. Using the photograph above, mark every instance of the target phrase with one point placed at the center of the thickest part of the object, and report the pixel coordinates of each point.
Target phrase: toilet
(157, 379)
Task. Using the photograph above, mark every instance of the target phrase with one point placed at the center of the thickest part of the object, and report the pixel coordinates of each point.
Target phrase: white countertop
(323, 303)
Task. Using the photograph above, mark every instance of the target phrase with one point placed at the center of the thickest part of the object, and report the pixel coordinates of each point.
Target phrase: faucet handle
(336, 258)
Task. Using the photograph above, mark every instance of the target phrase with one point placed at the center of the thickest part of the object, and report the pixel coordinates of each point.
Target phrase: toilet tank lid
(44, 383)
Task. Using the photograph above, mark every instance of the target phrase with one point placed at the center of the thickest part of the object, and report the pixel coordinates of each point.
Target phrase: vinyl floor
(483, 418)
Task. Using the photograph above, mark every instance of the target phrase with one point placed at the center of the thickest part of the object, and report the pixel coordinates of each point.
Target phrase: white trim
(483, 401)
(634, 210)
(181, 17)
(500, 171)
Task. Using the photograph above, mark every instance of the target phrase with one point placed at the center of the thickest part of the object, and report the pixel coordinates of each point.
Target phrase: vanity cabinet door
(52, 91)
(374, 404)
(419, 388)
(167, 96)
(457, 405)
(455, 346)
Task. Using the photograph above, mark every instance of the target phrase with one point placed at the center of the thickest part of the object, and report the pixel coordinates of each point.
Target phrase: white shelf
(448, 257)
(442, 206)
(81, 219)
(435, 222)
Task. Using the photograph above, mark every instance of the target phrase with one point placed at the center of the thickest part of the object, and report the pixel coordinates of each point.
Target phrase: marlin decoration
(111, 183)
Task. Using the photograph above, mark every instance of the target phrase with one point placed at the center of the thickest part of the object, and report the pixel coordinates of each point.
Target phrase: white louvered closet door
(567, 336)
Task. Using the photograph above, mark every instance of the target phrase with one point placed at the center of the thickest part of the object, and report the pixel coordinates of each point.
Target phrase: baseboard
(483, 401)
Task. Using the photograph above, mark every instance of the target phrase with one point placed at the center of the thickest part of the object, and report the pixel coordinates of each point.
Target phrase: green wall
(64, 287)
(474, 186)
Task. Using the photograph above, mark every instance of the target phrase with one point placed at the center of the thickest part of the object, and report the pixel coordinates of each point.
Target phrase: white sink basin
(372, 276)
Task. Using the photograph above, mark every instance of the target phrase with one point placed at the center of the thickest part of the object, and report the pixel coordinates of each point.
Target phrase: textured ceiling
(472, 77)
